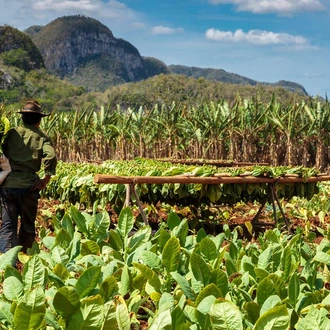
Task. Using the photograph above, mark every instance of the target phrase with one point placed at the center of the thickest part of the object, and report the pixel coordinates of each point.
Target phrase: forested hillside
(103, 70)
(232, 78)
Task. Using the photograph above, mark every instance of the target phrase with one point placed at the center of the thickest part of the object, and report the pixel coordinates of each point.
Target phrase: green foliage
(154, 66)
(18, 58)
(98, 72)
(166, 88)
(183, 283)
(230, 78)
(18, 50)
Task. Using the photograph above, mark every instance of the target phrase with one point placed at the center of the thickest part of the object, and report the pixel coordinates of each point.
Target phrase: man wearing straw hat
(27, 149)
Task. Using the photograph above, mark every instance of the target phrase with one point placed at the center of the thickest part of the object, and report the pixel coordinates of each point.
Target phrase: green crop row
(82, 275)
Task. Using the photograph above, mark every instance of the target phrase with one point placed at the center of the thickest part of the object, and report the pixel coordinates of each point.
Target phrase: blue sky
(265, 40)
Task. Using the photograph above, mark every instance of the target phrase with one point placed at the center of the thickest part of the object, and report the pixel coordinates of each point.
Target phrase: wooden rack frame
(219, 178)
(213, 162)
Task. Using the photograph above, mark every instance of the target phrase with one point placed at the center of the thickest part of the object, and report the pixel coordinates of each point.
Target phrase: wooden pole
(185, 179)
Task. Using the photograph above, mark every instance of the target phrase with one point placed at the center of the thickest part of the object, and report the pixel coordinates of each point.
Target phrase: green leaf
(139, 238)
(178, 318)
(214, 192)
(78, 219)
(220, 279)
(201, 234)
(66, 302)
(162, 321)
(252, 311)
(89, 316)
(67, 224)
(152, 260)
(88, 281)
(11, 271)
(9, 258)
(204, 305)
(33, 273)
(101, 225)
(322, 257)
(270, 258)
(6, 316)
(293, 289)
(200, 269)
(270, 303)
(109, 288)
(63, 238)
(230, 266)
(181, 231)
(265, 289)
(173, 220)
(126, 280)
(125, 221)
(184, 285)
(75, 245)
(225, 316)
(49, 242)
(171, 255)
(109, 312)
(13, 288)
(316, 319)
(115, 240)
(51, 320)
(92, 311)
(190, 313)
(202, 312)
(208, 249)
(166, 301)
(276, 318)
(57, 282)
(261, 273)
(30, 311)
(164, 236)
(287, 262)
(149, 275)
(58, 256)
(61, 271)
(89, 247)
(209, 290)
(122, 315)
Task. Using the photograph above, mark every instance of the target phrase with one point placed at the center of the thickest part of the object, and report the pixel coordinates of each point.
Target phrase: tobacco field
(200, 262)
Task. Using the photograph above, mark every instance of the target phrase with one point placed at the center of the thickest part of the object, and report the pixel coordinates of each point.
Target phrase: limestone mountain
(84, 51)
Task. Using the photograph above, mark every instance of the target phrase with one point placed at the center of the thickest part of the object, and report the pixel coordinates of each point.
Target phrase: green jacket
(27, 147)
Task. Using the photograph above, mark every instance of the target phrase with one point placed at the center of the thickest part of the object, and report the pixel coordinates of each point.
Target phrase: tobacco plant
(83, 275)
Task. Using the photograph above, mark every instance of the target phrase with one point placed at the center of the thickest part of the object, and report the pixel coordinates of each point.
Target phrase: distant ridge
(232, 78)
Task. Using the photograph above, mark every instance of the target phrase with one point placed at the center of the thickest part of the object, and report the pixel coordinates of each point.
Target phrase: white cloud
(282, 7)
(257, 37)
(314, 75)
(165, 30)
(110, 9)
(24, 13)
(83, 5)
